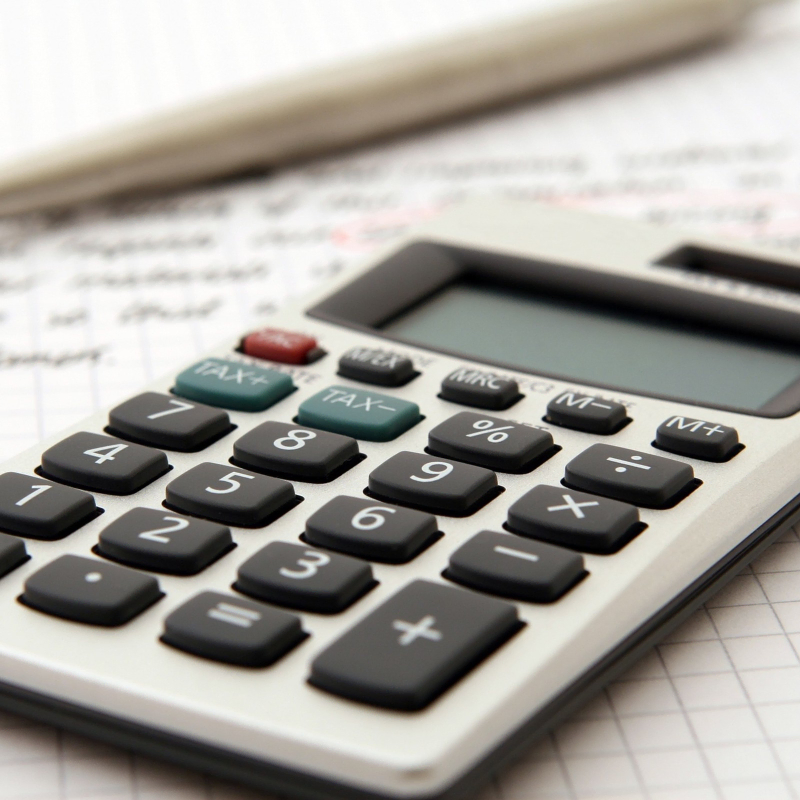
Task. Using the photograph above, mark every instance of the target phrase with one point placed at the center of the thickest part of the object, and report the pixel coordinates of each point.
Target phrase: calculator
(374, 548)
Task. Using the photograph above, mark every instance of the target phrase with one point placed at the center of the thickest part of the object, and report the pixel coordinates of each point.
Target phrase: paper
(94, 305)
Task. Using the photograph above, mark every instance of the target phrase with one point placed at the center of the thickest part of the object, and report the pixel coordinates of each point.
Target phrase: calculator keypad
(472, 387)
(358, 413)
(490, 442)
(165, 421)
(160, 541)
(90, 591)
(639, 478)
(103, 463)
(421, 480)
(517, 568)
(300, 577)
(31, 506)
(294, 452)
(697, 438)
(376, 531)
(230, 495)
(12, 553)
(231, 629)
(574, 519)
(584, 412)
(231, 384)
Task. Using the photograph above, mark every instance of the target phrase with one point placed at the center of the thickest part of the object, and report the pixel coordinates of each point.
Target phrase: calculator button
(12, 553)
(380, 367)
(297, 576)
(574, 519)
(231, 629)
(163, 542)
(414, 646)
(358, 413)
(285, 347)
(512, 567)
(91, 591)
(473, 387)
(629, 475)
(230, 384)
(585, 412)
(294, 452)
(436, 485)
(165, 421)
(371, 530)
(230, 496)
(31, 506)
(697, 438)
(103, 463)
(490, 442)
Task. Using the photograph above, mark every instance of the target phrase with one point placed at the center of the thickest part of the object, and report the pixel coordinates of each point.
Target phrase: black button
(629, 475)
(294, 452)
(163, 542)
(414, 646)
(31, 506)
(91, 591)
(585, 412)
(420, 480)
(230, 496)
(370, 530)
(165, 421)
(514, 567)
(296, 576)
(474, 387)
(574, 519)
(230, 629)
(379, 367)
(490, 442)
(698, 439)
(12, 553)
(103, 463)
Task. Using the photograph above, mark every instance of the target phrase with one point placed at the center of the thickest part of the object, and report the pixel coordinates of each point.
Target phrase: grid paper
(94, 305)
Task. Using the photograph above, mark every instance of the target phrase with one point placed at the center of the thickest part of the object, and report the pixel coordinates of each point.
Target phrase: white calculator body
(376, 548)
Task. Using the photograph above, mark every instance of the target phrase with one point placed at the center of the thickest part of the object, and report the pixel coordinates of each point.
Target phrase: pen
(287, 120)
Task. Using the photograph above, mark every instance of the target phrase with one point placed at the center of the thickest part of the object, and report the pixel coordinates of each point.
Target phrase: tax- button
(474, 387)
(414, 646)
(574, 519)
(229, 384)
(584, 412)
(358, 413)
(639, 478)
(697, 438)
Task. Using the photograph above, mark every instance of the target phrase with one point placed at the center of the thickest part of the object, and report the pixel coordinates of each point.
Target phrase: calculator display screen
(601, 345)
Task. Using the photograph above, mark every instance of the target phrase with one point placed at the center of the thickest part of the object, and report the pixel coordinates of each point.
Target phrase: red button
(279, 345)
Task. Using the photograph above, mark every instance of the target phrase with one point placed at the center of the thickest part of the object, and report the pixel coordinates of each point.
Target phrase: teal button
(358, 413)
(229, 384)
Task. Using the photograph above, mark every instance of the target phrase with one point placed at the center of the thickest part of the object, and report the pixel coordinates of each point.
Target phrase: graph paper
(96, 303)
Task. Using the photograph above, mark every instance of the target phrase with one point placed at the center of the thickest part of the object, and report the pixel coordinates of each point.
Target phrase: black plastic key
(12, 553)
(371, 530)
(299, 577)
(31, 506)
(473, 387)
(163, 542)
(233, 630)
(103, 463)
(639, 478)
(231, 496)
(697, 438)
(574, 519)
(585, 412)
(490, 442)
(165, 421)
(291, 451)
(414, 646)
(426, 481)
(378, 367)
(90, 591)
(512, 567)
